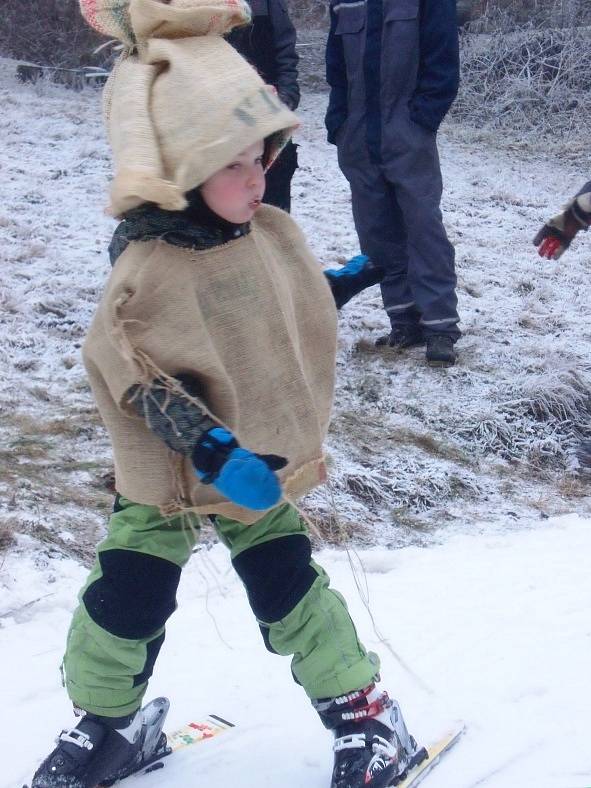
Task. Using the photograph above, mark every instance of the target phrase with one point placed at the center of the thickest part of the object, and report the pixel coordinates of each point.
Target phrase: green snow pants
(118, 628)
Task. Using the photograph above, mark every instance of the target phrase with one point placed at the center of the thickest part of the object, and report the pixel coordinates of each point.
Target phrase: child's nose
(255, 176)
(255, 173)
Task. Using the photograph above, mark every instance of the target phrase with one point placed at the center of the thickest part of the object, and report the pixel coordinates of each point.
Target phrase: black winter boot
(440, 351)
(102, 750)
(402, 337)
(372, 746)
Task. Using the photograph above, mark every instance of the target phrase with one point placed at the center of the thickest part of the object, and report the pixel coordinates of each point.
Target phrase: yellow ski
(195, 732)
(428, 757)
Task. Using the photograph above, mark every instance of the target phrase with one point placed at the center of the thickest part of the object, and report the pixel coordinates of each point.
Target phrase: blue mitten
(352, 278)
(246, 478)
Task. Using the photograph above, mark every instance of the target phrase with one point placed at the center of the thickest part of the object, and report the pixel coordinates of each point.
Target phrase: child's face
(235, 192)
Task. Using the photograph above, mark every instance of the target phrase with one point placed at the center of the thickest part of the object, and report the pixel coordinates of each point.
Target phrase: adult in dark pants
(393, 70)
(269, 44)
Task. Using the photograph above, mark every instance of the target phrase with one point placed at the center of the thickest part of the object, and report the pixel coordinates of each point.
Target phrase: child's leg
(297, 611)
(118, 628)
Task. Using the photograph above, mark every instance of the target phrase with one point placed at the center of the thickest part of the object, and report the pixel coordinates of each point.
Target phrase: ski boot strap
(379, 745)
(358, 705)
(117, 723)
(76, 738)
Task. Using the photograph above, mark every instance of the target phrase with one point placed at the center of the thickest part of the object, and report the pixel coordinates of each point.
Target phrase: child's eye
(259, 160)
(234, 166)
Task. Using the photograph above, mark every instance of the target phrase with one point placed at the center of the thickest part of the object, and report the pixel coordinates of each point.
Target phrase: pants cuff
(107, 703)
(353, 678)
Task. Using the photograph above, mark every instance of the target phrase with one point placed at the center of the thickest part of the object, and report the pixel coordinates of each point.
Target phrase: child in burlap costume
(211, 358)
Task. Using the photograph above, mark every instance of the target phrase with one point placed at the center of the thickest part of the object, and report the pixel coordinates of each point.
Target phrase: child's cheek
(237, 192)
(229, 189)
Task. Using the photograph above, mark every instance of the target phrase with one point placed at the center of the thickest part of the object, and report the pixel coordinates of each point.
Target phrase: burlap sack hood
(181, 103)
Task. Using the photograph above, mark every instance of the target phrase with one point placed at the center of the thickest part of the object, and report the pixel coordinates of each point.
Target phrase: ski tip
(154, 767)
(221, 720)
(427, 757)
(459, 727)
(454, 732)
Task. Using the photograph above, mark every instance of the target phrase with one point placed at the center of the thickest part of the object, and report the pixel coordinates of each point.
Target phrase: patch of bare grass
(7, 538)
(72, 425)
(431, 445)
(574, 487)
(365, 347)
(329, 529)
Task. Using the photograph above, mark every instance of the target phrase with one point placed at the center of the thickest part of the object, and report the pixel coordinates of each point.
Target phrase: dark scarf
(197, 227)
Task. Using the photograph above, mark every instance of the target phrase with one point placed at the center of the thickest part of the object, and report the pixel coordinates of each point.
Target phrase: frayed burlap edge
(131, 188)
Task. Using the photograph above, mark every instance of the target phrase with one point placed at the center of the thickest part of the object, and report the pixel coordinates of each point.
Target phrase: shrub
(53, 33)
(526, 76)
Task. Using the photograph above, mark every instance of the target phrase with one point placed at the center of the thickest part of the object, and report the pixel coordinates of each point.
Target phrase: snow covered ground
(496, 628)
(476, 463)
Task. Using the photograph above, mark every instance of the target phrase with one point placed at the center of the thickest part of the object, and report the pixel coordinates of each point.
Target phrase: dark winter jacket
(268, 44)
(389, 56)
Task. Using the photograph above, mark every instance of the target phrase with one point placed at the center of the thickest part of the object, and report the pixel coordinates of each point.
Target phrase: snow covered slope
(496, 629)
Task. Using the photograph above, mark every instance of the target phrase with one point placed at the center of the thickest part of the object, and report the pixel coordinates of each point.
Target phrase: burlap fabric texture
(181, 102)
(252, 320)
(111, 18)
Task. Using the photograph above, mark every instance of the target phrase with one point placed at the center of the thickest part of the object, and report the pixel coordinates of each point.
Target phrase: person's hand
(245, 478)
(557, 234)
(357, 274)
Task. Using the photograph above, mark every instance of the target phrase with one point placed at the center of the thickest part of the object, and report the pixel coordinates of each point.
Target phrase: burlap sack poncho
(252, 320)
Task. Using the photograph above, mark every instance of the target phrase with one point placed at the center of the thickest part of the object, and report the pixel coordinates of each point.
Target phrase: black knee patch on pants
(135, 595)
(277, 575)
(265, 632)
(117, 507)
(152, 651)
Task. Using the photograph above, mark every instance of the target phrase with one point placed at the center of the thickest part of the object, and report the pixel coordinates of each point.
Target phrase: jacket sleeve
(175, 418)
(585, 193)
(336, 76)
(439, 64)
(286, 57)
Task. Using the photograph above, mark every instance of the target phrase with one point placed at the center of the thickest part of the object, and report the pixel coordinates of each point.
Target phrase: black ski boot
(102, 750)
(440, 351)
(402, 337)
(372, 746)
